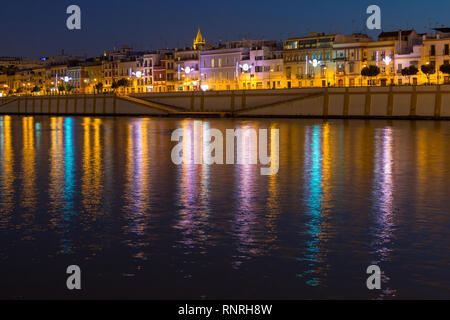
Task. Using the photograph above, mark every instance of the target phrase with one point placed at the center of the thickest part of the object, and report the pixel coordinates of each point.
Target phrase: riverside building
(317, 60)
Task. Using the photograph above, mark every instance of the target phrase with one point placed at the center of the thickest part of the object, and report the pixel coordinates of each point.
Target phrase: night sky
(38, 28)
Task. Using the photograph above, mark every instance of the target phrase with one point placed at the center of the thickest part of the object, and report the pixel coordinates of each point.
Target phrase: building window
(446, 50)
(433, 50)
(352, 67)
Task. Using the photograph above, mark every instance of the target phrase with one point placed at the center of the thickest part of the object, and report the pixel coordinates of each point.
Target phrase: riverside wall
(414, 102)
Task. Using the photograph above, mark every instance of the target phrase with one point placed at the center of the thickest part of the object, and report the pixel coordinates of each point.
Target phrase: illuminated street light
(245, 67)
(65, 79)
(314, 62)
(387, 60)
(188, 70)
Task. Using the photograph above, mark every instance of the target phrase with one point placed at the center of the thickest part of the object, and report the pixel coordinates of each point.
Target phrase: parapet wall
(364, 102)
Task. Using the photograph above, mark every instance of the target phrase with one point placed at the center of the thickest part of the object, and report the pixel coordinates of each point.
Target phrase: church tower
(199, 40)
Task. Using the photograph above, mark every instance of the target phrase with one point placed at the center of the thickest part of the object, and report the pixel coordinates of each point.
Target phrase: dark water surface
(103, 193)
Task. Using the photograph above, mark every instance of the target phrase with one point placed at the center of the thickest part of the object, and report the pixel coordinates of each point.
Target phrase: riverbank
(405, 102)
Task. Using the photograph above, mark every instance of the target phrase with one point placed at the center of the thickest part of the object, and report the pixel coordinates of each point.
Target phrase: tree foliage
(99, 87)
(445, 68)
(410, 71)
(69, 87)
(123, 82)
(428, 69)
(370, 71)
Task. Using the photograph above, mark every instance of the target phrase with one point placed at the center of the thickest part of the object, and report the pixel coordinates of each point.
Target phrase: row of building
(319, 60)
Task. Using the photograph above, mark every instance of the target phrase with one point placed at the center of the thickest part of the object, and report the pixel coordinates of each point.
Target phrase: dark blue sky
(38, 28)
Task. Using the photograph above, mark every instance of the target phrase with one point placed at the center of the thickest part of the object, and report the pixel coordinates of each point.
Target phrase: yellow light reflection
(92, 178)
(56, 190)
(7, 158)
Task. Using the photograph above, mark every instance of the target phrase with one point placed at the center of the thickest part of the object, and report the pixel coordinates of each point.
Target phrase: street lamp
(270, 74)
(187, 71)
(314, 62)
(246, 68)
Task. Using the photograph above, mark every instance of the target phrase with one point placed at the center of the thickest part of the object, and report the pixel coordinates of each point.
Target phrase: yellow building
(309, 61)
(436, 52)
(93, 76)
(350, 57)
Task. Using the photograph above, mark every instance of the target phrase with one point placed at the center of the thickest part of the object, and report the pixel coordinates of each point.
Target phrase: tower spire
(199, 40)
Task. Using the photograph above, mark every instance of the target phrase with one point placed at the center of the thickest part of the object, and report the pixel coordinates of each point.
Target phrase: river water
(103, 193)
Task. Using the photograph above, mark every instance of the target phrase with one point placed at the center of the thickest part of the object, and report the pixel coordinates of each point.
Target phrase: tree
(445, 68)
(36, 89)
(69, 87)
(428, 70)
(61, 88)
(410, 71)
(370, 71)
(123, 82)
(99, 87)
(114, 86)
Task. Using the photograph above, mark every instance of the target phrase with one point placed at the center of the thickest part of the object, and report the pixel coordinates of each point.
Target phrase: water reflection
(273, 202)
(7, 174)
(62, 180)
(92, 166)
(137, 195)
(193, 188)
(69, 210)
(383, 189)
(104, 189)
(316, 175)
(56, 185)
(28, 198)
(247, 174)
